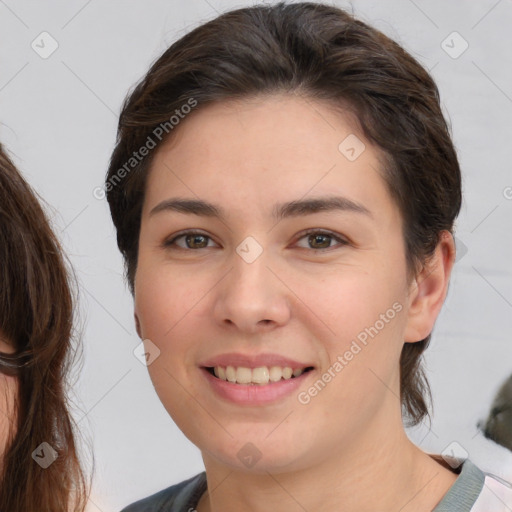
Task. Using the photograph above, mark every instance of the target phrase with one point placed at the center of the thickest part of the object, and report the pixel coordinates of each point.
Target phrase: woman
(40, 469)
(284, 189)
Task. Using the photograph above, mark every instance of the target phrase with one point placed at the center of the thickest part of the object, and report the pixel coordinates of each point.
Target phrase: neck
(380, 470)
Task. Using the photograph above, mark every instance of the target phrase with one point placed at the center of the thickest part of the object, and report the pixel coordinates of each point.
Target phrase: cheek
(163, 305)
(354, 303)
(163, 300)
(365, 314)
(170, 306)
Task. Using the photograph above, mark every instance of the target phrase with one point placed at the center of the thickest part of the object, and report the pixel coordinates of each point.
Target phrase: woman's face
(300, 286)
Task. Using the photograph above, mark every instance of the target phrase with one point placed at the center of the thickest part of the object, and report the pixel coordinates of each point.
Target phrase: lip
(254, 394)
(255, 361)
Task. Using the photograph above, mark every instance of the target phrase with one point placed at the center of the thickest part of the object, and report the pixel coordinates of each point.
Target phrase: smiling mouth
(256, 376)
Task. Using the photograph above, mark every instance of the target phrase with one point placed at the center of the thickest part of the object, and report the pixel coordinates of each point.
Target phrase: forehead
(267, 148)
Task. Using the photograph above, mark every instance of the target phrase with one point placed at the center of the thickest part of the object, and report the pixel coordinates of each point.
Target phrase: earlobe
(429, 289)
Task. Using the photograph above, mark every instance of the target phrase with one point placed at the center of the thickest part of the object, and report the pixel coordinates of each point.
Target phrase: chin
(256, 454)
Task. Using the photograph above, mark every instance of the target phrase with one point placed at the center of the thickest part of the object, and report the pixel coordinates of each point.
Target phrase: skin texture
(196, 303)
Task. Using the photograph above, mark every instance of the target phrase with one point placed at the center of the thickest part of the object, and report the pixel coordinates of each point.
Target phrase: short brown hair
(325, 54)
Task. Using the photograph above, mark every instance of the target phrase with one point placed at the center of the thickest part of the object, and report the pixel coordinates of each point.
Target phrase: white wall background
(58, 117)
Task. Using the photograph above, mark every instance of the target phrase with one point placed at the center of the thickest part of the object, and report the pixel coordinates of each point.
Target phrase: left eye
(322, 240)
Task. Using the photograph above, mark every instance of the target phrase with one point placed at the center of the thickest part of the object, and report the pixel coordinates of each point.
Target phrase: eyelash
(170, 243)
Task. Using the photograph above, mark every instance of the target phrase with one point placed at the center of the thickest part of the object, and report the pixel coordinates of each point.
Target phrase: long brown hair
(36, 319)
(325, 54)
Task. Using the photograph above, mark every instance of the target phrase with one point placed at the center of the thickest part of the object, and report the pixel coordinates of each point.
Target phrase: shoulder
(496, 495)
(477, 491)
(495, 462)
(175, 498)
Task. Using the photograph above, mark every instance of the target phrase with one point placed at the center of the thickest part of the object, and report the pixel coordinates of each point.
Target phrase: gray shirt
(473, 491)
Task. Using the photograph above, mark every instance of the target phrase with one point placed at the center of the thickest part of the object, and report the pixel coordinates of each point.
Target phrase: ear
(137, 325)
(428, 290)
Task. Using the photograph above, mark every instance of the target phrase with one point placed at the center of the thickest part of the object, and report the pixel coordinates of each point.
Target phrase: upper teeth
(261, 375)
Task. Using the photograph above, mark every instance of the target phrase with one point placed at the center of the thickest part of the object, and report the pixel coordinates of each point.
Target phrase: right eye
(192, 239)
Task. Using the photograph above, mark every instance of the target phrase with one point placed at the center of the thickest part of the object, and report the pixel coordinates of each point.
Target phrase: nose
(252, 297)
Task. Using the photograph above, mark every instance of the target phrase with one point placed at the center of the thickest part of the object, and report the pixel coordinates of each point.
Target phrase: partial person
(498, 426)
(40, 467)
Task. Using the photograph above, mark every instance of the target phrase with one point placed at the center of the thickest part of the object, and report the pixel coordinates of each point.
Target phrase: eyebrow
(280, 211)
